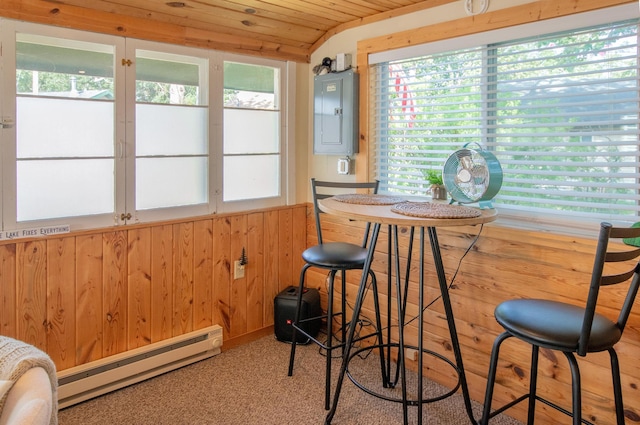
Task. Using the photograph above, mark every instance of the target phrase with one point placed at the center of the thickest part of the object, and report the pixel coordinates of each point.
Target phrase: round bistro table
(386, 214)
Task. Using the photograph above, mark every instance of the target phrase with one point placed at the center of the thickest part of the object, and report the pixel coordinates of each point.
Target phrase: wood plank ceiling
(285, 29)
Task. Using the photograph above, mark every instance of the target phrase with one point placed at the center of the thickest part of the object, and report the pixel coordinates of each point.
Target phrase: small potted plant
(437, 188)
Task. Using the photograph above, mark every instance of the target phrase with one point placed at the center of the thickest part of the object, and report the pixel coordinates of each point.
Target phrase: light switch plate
(238, 270)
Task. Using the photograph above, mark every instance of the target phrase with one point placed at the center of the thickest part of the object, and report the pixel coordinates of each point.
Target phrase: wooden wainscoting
(84, 296)
(504, 263)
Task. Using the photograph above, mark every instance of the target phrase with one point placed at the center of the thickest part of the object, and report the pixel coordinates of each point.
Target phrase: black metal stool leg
(576, 389)
(343, 314)
(617, 386)
(533, 383)
(296, 319)
(491, 378)
(329, 343)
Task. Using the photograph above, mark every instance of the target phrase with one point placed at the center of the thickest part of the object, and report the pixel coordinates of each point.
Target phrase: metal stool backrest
(324, 189)
(606, 253)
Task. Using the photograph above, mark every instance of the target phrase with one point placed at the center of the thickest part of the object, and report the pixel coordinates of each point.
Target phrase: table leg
(401, 299)
(394, 253)
(420, 324)
(446, 300)
(393, 383)
(354, 319)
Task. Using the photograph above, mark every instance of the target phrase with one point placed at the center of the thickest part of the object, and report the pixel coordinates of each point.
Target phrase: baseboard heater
(89, 380)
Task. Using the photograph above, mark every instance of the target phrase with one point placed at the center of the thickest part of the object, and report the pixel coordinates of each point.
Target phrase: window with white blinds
(559, 111)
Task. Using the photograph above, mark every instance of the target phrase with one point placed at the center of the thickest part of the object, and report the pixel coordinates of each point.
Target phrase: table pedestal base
(405, 398)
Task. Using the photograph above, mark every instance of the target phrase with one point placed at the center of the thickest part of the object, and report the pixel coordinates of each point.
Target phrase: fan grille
(470, 175)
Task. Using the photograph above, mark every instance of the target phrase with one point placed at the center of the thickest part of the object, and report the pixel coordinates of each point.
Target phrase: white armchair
(28, 385)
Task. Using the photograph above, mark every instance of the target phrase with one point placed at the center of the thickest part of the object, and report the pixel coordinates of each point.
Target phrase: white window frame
(8, 160)
(124, 143)
(287, 129)
(156, 214)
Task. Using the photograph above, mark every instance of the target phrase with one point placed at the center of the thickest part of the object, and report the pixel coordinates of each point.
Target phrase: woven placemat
(365, 199)
(434, 210)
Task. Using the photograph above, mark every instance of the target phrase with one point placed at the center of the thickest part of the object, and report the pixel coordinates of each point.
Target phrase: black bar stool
(572, 329)
(334, 257)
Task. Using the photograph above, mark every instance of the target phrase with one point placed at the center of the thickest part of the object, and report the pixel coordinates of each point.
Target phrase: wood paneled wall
(505, 263)
(81, 297)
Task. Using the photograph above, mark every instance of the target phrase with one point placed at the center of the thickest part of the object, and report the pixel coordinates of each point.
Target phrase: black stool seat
(336, 255)
(558, 328)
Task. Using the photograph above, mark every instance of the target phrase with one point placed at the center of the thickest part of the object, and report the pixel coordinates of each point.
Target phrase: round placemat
(435, 210)
(368, 199)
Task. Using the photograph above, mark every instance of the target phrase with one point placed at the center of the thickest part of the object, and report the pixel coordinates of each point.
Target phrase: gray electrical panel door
(335, 120)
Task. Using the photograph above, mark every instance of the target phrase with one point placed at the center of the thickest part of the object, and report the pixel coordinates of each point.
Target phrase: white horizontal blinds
(564, 123)
(425, 108)
(560, 112)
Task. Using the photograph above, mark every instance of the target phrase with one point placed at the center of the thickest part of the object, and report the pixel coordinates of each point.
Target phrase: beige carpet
(248, 385)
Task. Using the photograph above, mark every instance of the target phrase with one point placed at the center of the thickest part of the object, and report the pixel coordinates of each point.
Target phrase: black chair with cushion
(334, 257)
(573, 329)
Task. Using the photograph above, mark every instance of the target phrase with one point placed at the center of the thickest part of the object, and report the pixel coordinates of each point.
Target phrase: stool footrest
(327, 347)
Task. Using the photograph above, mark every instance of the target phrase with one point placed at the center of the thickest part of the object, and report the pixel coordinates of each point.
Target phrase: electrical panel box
(335, 115)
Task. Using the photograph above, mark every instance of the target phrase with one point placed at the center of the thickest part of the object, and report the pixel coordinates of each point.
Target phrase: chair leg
(296, 319)
(343, 314)
(329, 343)
(533, 383)
(617, 386)
(491, 378)
(575, 388)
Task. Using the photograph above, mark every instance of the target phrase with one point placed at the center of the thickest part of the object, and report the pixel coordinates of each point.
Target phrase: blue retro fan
(472, 175)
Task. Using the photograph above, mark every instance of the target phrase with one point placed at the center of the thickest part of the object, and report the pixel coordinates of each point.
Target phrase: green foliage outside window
(560, 112)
